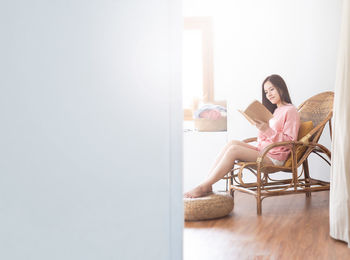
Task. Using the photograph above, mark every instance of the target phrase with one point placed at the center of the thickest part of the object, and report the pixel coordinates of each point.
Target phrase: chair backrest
(318, 110)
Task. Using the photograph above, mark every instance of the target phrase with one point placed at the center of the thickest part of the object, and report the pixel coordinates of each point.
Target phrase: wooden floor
(290, 227)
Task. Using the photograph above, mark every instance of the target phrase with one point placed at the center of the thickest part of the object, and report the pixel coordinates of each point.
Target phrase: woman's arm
(288, 131)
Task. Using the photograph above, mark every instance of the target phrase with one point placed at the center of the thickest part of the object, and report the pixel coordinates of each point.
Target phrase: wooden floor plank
(290, 227)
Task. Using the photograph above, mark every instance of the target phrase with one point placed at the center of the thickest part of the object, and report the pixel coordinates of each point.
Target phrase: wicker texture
(214, 205)
(316, 108)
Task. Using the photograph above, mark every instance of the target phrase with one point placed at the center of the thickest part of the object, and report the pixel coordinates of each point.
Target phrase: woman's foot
(199, 191)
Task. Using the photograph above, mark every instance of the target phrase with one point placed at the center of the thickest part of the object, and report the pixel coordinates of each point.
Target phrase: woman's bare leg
(226, 147)
(224, 165)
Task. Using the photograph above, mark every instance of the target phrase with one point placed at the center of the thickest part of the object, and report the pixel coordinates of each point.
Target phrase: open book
(256, 111)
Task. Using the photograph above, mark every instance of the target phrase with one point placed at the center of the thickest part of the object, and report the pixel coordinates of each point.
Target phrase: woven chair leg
(258, 206)
(258, 191)
(307, 177)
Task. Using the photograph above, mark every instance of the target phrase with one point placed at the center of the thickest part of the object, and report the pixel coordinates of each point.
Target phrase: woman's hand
(262, 126)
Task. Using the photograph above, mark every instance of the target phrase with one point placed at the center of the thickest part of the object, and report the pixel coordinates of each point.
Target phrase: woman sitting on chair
(284, 126)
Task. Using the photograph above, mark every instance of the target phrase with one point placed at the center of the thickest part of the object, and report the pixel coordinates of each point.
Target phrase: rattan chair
(317, 109)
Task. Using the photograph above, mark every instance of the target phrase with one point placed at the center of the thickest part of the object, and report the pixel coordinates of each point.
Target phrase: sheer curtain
(339, 211)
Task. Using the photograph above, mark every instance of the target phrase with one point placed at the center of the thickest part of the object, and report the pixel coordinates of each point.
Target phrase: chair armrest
(250, 140)
(316, 146)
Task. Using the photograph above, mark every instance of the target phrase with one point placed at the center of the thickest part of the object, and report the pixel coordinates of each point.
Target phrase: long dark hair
(278, 82)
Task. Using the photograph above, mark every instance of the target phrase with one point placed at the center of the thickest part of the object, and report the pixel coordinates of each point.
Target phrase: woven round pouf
(214, 205)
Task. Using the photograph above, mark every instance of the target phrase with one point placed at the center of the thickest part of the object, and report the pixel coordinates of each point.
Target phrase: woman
(284, 126)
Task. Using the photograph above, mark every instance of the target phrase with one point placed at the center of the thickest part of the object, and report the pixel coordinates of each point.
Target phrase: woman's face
(272, 93)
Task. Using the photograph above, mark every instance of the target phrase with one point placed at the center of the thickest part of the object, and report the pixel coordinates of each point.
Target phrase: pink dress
(284, 126)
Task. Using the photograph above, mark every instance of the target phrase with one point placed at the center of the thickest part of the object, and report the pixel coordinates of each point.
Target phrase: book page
(247, 117)
(256, 112)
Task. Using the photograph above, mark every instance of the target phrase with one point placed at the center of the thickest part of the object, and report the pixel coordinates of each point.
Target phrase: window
(198, 69)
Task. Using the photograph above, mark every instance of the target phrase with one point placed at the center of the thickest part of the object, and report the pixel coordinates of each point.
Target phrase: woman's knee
(233, 143)
(233, 150)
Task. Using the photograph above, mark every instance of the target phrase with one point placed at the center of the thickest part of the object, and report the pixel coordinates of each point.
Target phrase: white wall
(90, 132)
(200, 150)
